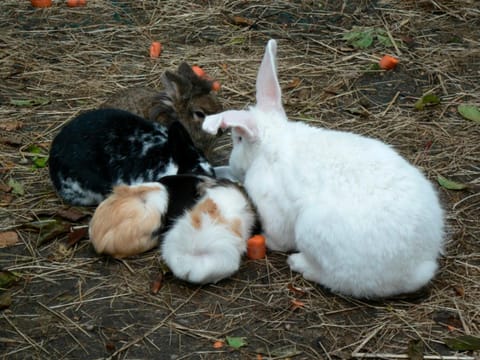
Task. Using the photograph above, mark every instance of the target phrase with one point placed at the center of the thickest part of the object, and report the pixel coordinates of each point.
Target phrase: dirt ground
(69, 303)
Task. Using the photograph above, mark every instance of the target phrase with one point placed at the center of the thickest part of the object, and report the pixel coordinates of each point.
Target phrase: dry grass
(72, 304)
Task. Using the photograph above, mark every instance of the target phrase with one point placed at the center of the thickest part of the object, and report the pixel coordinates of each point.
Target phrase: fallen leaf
(360, 38)
(447, 318)
(463, 343)
(294, 83)
(8, 278)
(76, 235)
(17, 188)
(469, 112)
(285, 351)
(241, 21)
(5, 199)
(40, 162)
(450, 184)
(415, 350)
(157, 283)
(29, 102)
(297, 304)
(428, 99)
(236, 342)
(48, 229)
(71, 213)
(11, 140)
(296, 290)
(8, 238)
(459, 290)
(5, 188)
(11, 125)
(5, 300)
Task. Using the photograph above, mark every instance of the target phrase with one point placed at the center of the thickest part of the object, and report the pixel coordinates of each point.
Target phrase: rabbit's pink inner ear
(212, 123)
(242, 121)
(269, 94)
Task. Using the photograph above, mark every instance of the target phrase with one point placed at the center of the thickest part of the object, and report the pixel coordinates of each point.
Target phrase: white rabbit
(206, 243)
(362, 220)
(128, 222)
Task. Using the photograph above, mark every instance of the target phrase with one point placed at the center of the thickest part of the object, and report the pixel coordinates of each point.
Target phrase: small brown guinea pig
(128, 222)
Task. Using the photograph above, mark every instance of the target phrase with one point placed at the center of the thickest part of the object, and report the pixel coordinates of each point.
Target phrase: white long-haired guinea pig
(362, 220)
(128, 222)
(206, 243)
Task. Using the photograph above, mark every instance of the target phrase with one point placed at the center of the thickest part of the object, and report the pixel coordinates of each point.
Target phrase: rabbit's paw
(299, 263)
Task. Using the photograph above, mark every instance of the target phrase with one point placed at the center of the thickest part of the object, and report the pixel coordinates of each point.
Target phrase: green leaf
(469, 112)
(237, 41)
(415, 350)
(5, 300)
(29, 102)
(8, 278)
(40, 162)
(17, 188)
(384, 39)
(34, 149)
(359, 38)
(49, 229)
(429, 99)
(463, 342)
(236, 342)
(450, 184)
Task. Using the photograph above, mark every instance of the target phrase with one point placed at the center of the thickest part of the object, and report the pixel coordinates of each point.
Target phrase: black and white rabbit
(361, 219)
(103, 148)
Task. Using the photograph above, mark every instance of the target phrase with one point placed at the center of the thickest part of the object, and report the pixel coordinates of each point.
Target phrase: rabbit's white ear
(241, 120)
(269, 94)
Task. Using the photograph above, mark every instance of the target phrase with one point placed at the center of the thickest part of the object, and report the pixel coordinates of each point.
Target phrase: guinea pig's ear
(269, 94)
(241, 120)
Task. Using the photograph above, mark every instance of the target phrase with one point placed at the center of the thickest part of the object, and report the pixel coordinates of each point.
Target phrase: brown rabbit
(186, 97)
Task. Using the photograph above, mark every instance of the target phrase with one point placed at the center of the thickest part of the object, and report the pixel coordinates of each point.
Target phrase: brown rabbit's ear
(176, 86)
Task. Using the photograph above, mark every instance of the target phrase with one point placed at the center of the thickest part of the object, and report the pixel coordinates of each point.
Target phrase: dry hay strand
(72, 303)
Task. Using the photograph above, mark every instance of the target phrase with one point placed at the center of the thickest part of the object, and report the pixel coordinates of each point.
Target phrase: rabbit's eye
(199, 114)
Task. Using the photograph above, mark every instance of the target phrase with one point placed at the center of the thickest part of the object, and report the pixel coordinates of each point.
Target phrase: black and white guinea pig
(102, 148)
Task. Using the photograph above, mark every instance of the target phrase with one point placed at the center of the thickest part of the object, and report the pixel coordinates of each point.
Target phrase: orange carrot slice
(388, 62)
(256, 248)
(155, 49)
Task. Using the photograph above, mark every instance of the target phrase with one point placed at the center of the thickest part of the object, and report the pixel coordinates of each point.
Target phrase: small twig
(405, 356)
(390, 104)
(367, 339)
(25, 337)
(152, 330)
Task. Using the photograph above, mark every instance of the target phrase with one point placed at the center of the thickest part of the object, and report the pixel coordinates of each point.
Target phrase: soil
(69, 303)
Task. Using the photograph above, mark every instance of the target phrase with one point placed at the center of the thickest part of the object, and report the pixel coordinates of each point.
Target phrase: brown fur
(121, 226)
(185, 97)
(208, 206)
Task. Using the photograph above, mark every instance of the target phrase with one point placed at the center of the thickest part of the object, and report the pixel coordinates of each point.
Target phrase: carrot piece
(256, 248)
(155, 49)
(198, 71)
(216, 85)
(74, 3)
(41, 3)
(218, 344)
(388, 62)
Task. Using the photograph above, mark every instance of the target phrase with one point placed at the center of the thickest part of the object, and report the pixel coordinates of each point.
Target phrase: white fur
(363, 220)
(212, 251)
